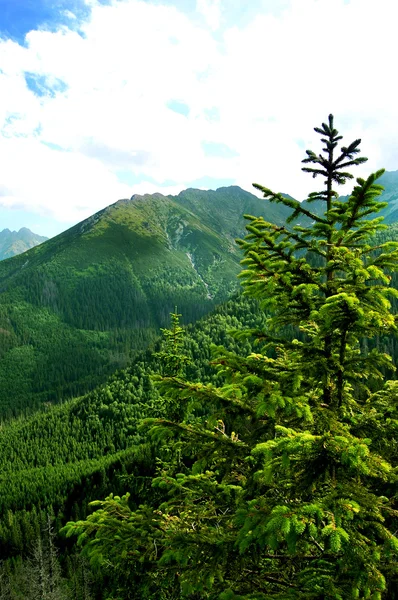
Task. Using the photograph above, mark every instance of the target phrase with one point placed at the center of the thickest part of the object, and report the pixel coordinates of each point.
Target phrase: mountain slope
(16, 242)
(390, 182)
(77, 307)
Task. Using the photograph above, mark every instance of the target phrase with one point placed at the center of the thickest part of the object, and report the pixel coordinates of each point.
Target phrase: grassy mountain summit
(16, 242)
(75, 308)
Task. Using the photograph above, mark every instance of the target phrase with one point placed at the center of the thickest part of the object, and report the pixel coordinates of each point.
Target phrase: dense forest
(60, 458)
(248, 456)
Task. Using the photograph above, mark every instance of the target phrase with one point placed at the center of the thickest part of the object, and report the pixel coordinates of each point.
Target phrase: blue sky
(101, 99)
(18, 17)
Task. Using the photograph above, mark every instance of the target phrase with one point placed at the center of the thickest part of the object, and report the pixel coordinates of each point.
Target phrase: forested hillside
(389, 181)
(78, 307)
(60, 458)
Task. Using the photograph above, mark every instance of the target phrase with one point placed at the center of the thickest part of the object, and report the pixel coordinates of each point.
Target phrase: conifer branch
(273, 197)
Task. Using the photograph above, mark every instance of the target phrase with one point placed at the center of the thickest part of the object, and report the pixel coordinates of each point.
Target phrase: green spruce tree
(171, 355)
(285, 486)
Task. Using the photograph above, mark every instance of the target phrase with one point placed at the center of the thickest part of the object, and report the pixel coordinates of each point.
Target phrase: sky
(103, 99)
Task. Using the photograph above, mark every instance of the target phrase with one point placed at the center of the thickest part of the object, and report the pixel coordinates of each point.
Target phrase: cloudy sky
(101, 99)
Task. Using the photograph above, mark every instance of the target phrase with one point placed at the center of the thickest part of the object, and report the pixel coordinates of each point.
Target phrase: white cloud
(211, 11)
(63, 184)
(69, 14)
(266, 83)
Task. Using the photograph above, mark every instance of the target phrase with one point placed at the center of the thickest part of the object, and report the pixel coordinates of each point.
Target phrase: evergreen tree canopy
(281, 482)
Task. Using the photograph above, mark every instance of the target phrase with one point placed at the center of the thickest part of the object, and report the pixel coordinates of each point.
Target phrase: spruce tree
(172, 358)
(285, 485)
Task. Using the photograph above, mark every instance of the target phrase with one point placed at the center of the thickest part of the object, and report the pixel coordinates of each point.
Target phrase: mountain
(16, 242)
(79, 306)
(390, 183)
(82, 304)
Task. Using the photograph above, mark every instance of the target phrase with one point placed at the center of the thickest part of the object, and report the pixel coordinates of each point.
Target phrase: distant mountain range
(80, 305)
(16, 242)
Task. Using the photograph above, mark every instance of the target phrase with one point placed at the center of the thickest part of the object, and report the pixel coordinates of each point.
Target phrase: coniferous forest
(184, 416)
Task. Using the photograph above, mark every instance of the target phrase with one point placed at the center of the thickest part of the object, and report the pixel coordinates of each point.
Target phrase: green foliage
(280, 480)
(65, 456)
